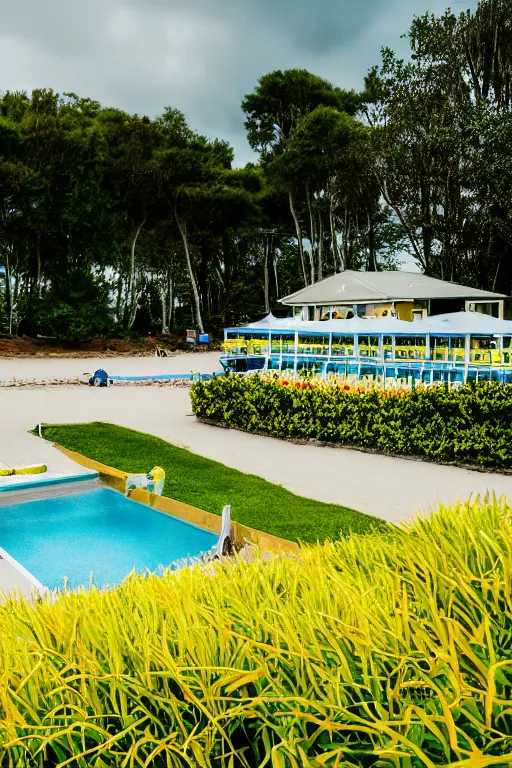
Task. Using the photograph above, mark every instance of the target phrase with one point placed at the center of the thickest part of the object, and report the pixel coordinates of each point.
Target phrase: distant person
(350, 315)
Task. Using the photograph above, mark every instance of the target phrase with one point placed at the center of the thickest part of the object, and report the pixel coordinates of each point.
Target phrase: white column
(467, 355)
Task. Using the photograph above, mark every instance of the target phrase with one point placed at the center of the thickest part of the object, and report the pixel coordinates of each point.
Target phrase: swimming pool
(98, 532)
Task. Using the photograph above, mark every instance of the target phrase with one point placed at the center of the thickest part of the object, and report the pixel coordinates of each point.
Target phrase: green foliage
(209, 485)
(470, 425)
(380, 650)
(281, 99)
(75, 308)
(418, 162)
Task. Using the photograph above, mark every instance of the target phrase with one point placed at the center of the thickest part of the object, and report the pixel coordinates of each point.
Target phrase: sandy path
(389, 488)
(69, 368)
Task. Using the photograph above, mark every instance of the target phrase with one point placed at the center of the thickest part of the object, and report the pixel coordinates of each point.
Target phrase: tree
(76, 307)
(274, 111)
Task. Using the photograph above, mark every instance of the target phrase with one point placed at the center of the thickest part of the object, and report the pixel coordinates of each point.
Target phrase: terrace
(468, 343)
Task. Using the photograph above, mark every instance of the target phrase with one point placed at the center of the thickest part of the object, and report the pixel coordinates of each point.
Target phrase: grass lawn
(209, 485)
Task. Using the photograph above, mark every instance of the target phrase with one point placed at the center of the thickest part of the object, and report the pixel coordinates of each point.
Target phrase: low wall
(116, 479)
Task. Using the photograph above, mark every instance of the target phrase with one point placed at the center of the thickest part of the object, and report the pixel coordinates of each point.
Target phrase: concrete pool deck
(390, 488)
(20, 447)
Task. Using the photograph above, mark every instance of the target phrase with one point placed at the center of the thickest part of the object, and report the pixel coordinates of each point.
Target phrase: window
(313, 345)
(310, 365)
(342, 346)
(481, 342)
(410, 347)
(410, 341)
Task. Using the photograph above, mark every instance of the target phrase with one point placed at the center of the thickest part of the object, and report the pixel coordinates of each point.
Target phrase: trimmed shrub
(377, 650)
(468, 425)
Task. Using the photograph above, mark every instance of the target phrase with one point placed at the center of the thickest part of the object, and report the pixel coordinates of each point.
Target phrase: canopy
(462, 323)
(374, 326)
(451, 324)
(273, 322)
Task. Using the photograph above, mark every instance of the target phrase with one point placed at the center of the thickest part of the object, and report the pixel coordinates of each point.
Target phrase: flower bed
(468, 425)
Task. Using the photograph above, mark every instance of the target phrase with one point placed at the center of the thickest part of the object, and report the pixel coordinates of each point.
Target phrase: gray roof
(367, 287)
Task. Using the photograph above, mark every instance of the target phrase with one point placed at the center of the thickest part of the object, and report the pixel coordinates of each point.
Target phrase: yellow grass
(386, 649)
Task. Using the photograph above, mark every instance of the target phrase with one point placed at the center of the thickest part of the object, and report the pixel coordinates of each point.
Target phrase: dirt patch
(144, 347)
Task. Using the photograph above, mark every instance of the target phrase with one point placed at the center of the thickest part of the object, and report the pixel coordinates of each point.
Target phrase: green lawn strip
(209, 485)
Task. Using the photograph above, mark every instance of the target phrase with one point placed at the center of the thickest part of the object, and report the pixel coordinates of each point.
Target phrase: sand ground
(69, 368)
(393, 489)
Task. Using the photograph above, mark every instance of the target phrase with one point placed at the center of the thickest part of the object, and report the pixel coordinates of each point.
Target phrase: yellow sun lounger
(29, 469)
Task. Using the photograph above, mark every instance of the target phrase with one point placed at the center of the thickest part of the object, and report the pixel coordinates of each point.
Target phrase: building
(455, 347)
(403, 295)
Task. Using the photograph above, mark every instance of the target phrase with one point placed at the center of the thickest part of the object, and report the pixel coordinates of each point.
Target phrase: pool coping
(38, 586)
(200, 518)
(39, 481)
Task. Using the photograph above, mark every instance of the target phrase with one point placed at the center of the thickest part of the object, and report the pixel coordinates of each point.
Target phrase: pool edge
(48, 481)
(200, 518)
(38, 586)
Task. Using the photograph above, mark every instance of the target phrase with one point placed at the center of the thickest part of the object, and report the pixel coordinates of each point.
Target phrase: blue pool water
(99, 532)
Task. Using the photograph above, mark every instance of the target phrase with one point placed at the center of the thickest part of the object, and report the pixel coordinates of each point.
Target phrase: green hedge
(470, 425)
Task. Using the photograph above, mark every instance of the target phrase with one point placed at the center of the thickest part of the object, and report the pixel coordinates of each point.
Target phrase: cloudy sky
(201, 56)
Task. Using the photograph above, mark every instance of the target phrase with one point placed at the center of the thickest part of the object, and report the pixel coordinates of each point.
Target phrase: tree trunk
(274, 262)
(312, 237)
(334, 240)
(172, 307)
(165, 317)
(8, 290)
(39, 278)
(197, 300)
(14, 301)
(265, 275)
(344, 245)
(407, 229)
(320, 254)
(202, 277)
(372, 256)
(132, 283)
(299, 237)
(164, 299)
(472, 69)
(426, 228)
(119, 311)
